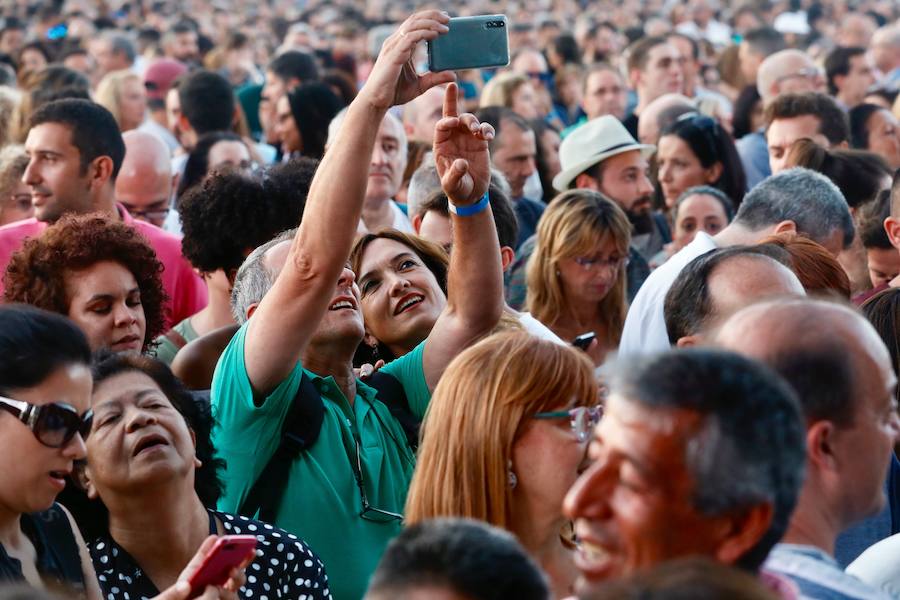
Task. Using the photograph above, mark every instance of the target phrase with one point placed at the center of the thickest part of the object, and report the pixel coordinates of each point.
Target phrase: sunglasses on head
(53, 424)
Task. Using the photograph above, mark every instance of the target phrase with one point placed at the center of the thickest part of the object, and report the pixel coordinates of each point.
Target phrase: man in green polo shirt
(306, 318)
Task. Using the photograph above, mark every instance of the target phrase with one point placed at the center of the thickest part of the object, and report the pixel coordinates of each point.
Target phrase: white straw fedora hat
(595, 141)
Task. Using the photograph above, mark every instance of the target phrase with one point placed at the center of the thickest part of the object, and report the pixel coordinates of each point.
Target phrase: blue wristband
(471, 209)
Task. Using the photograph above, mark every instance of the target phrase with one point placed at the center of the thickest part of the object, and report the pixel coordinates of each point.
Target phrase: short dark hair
(207, 101)
(501, 207)
(837, 63)
(638, 53)
(500, 117)
(294, 64)
(34, 343)
(871, 222)
(471, 558)
(859, 117)
(833, 122)
(765, 41)
(751, 448)
(706, 190)
(688, 306)
(197, 165)
(233, 212)
(94, 130)
(882, 311)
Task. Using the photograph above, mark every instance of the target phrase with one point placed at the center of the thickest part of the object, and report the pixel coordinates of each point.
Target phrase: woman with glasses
(696, 150)
(45, 416)
(151, 463)
(503, 440)
(576, 275)
(98, 272)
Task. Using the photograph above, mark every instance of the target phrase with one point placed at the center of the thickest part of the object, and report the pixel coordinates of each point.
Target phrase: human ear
(744, 530)
(892, 228)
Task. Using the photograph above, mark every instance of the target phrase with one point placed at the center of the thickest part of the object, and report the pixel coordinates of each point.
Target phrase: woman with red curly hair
(98, 272)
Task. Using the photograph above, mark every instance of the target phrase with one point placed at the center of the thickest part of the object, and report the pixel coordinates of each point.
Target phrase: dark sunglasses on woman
(53, 424)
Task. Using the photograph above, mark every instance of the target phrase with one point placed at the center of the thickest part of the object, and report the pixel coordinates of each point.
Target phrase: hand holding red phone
(216, 571)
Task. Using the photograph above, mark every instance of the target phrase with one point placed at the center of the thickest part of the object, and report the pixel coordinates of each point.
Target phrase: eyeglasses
(811, 73)
(157, 214)
(369, 512)
(582, 419)
(708, 128)
(589, 264)
(53, 424)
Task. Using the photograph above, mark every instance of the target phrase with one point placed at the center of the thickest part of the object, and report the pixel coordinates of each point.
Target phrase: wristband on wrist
(470, 209)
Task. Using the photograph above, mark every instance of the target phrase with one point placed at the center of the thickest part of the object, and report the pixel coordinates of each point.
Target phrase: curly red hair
(36, 273)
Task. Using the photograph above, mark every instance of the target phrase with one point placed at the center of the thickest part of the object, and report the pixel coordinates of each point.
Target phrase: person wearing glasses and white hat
(601, 155)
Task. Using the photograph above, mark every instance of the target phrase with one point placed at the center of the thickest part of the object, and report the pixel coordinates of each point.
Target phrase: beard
(642, 218)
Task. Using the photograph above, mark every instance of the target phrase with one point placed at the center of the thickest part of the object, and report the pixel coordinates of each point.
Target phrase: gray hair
(338, 120)
(120, 43)
(423, 183)
(809, 199)
(254, 279)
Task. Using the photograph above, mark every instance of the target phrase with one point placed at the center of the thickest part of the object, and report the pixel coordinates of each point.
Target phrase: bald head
(715, 285)
(144, 184)
(788, 71)
(422, 113)
(651, 124)
(885, 48)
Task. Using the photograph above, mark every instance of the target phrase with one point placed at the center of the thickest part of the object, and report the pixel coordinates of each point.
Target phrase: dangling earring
(511, 478)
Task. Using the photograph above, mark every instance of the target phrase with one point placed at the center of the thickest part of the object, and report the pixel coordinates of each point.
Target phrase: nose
(75, 449)
(530, 167)
(587, 498)
(137, 418)
(125, 315)
(31, 176)
(645, 186)
(347, 278)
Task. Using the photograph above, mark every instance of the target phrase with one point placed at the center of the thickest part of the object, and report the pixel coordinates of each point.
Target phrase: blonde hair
(500, 89)
(481, 406)
(109, 91)
(576, 223)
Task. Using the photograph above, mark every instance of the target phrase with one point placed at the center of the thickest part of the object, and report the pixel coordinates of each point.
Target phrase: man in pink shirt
(75, 151)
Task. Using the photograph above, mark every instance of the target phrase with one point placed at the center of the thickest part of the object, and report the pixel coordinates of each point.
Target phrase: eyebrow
(97, 297)
(118, 403)
(391, 260)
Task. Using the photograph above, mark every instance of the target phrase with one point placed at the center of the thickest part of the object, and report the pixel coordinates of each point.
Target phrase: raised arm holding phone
(344, 492)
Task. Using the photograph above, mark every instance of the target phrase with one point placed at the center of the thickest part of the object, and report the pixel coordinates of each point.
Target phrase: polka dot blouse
(285, 567)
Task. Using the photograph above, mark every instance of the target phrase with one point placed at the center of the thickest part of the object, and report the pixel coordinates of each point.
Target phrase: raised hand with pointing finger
(461, 152)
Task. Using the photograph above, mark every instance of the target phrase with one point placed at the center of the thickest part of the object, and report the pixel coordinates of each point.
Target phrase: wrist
(467, 210)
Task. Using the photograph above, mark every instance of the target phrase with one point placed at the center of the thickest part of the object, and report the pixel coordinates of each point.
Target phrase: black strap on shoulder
(300, 431)
(391, 393)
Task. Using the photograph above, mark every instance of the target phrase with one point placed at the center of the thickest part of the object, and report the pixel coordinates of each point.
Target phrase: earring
(511, 478)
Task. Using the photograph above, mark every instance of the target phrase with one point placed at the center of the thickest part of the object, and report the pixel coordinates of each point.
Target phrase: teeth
(410, 302)
(593, 552)
(342, 304)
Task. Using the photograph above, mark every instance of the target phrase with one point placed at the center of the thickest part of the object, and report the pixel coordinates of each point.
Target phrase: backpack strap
(299, 432)
(391, 394)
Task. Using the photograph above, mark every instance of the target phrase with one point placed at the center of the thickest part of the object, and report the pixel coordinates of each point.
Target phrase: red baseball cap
(159, 76)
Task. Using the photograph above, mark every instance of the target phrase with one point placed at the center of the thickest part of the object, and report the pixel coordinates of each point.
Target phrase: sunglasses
(369, 512)
(53, 424)
(582, 419)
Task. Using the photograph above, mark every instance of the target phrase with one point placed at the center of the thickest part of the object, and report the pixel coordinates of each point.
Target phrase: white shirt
(401, 221)
(645, 324)
(538, 329)
(879, 566)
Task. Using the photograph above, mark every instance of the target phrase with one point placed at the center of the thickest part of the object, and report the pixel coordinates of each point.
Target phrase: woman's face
(757, 117)
(884, 137)
(679, 168)
(32, 474)
(589, 278)
(138, 438)
(550, 142)
(524, 101)
(17, 205)
(547, 459)
(286, 127)
(401, 299)
(698, 213)
(105, 302)
(133, 104)
(229, 153)
(32, 60)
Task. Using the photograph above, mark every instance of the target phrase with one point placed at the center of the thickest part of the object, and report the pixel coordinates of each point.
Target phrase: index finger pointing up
(451, 100)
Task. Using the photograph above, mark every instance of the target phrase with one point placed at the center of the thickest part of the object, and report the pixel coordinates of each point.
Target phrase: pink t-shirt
(186, 290)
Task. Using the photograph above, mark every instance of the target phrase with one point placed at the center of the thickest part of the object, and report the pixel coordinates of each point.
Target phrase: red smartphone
(228, 553)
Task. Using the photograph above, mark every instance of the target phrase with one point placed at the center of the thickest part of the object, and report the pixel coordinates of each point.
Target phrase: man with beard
(797, 200)
(601, 155)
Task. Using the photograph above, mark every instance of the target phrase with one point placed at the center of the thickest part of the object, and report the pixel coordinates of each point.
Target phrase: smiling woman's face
(105, 302)
(401, 298)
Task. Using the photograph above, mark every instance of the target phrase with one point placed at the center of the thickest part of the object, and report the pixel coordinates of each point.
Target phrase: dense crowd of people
(620, 319)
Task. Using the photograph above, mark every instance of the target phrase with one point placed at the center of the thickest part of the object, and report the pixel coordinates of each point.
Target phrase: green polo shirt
(322, 501)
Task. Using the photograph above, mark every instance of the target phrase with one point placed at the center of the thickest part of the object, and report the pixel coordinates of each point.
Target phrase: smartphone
(471, 43)
(584, 340)
(228, 553)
